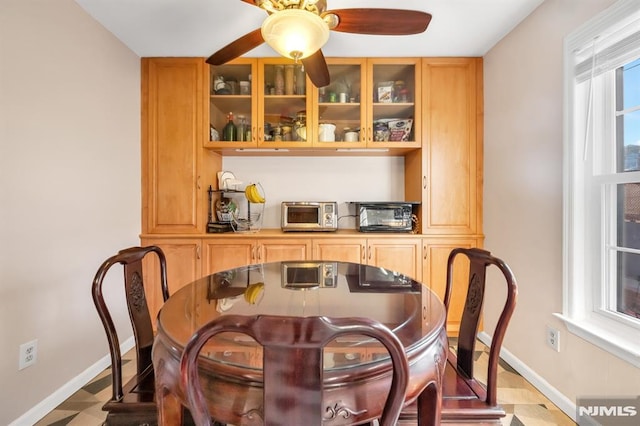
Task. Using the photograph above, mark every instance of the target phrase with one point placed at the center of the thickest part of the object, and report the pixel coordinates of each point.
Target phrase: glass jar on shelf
(242, 128)
(279, 80)
(300, 126)
(288, 80)
(277, 134)
(286, 133)
(301, 81)
(322, 95)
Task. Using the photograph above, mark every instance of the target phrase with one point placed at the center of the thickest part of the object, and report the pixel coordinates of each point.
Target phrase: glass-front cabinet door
(339, 108)
(393, 103)
(370, 103)
(233, 98)
(283, 102)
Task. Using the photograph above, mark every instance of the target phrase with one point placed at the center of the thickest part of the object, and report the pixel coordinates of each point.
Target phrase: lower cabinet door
(435, 252)
(279, 249)
(183, 266)
(340, 249)
(396, 254)
(227, 253)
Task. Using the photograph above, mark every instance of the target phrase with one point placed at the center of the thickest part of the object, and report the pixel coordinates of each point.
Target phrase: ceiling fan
(298, 29)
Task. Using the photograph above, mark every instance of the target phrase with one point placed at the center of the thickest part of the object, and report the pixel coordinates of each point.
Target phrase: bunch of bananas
(252, 292)
(253, 195)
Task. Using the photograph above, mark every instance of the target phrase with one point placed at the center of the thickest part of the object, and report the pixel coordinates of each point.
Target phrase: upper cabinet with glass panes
(370, 103)
(268, 99)
(233, 92)
(284, 97)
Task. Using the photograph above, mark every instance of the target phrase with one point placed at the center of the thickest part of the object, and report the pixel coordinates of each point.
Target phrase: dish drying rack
(250, 224)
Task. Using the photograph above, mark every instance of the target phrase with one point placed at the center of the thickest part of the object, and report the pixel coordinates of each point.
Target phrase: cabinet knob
(424, 182)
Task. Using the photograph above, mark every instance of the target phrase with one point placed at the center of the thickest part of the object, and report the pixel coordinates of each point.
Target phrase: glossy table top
(310, 288)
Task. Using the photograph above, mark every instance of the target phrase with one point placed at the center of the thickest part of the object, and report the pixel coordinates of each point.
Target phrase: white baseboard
(554, 395)
(47, 405)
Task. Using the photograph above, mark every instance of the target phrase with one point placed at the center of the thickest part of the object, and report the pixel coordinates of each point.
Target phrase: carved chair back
(479, 261)
(293, 364)
(140, 393)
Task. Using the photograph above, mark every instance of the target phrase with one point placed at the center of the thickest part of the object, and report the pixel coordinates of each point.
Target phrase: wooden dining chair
(293, 365)
(134, 402)
(464, 397)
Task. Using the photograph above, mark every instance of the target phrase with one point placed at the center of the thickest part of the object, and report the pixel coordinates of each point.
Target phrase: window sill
(621, 343)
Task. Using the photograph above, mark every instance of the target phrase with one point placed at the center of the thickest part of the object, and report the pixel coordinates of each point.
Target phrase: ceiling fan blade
(237, 48)
(316, 68)
(380, 21)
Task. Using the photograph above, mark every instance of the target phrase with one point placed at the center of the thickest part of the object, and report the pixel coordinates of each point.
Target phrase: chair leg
(429, 406)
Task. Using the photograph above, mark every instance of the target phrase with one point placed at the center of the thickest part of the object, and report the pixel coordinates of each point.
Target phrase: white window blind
(612, 48)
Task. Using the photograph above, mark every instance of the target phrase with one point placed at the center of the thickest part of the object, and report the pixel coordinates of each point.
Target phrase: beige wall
(523, 197)
(69, 188)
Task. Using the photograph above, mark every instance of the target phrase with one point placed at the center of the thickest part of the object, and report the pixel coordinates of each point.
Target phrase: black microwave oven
(385, 216)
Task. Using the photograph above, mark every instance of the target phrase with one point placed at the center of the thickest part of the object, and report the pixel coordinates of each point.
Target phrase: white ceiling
(201, 27)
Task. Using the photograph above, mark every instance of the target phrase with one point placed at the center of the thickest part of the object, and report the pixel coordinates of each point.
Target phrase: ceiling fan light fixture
(295, 33)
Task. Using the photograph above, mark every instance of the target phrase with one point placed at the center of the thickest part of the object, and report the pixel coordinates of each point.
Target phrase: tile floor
(523, 403)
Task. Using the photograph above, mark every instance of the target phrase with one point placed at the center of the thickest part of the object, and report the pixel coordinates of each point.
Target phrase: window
(626, 298)
(602, 181)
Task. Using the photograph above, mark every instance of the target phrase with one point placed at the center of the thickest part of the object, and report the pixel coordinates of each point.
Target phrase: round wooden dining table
(357, 371)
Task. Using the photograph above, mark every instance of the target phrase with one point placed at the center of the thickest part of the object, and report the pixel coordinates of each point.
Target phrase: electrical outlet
(28, 354)
(553, 338)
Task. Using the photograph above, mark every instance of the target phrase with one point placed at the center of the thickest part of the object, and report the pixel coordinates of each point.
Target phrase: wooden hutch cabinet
(181, 102)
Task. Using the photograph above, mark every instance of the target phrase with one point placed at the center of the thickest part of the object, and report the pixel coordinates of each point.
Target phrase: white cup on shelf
(327, 132)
